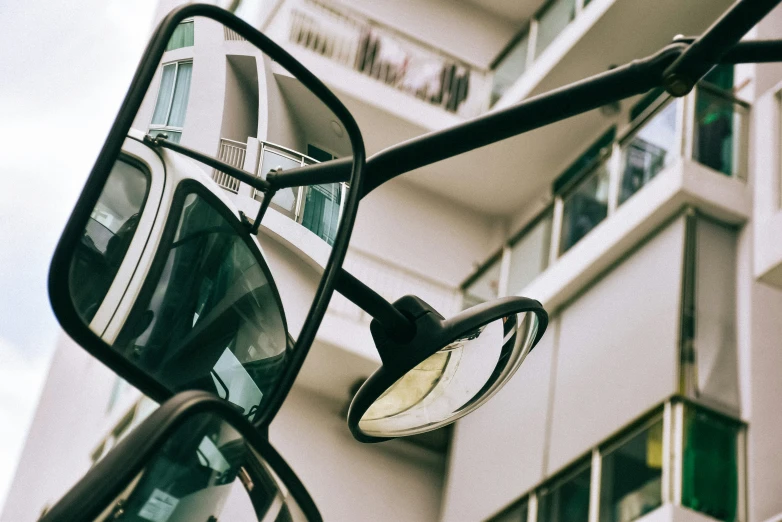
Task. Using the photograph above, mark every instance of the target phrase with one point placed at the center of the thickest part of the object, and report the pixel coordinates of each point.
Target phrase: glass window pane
(651, 150)
(207, 294)
(529, 256)
(516, 513)
(183, 36)
(585, 207)
(631, 477)
(284, 198)
(106, 237)
(181, 95)
(485, 288)
(160, 116)
(510, 69)
(566, 500)
(321, 210)
(716, 132)
(710, 466)
(552, 21)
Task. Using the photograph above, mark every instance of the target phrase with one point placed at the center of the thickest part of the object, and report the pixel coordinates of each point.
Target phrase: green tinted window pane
(106, 237)
(552, 21)
(585, 207)
(710, 465)
(566, 500)
(510, 69)
(207, 317)
(651, 150)
(160, 116)
(321, 210)
(516, 513)
(183, 36)
(716, 130)
(721, 76)
(176, 117)
(631, 477)
(284, 199)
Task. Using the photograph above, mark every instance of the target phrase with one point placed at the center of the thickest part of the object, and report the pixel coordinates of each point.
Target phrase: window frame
(166, 127)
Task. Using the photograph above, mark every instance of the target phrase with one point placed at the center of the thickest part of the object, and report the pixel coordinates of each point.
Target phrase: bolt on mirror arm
(681, 76)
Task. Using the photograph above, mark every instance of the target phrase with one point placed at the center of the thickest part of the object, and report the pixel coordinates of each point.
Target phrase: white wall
(348, 480)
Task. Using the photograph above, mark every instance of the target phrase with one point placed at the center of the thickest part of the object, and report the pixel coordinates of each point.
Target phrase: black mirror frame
(433, 332)
(102, 484)
(58, 285)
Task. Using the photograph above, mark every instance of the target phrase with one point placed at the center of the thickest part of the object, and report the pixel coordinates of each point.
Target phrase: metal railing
(380, 52)
(231, 35)
(233, 153)
(709, 126)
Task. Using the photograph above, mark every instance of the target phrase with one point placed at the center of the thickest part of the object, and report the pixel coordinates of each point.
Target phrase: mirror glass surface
(205, 471)
(454, 380)
(164, 272)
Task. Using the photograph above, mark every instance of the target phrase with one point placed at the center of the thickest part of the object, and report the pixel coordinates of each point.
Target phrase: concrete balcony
(669, 158)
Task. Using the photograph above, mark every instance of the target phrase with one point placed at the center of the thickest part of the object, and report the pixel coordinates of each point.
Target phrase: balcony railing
(708, 126)
(316, 207)
(380, 52)
(233, 153)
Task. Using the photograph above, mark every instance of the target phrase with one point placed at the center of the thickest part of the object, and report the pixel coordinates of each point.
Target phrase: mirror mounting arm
(395, 324)
(241, 175)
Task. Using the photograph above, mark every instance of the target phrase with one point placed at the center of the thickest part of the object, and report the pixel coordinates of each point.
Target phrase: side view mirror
(448, 369)
(195, 458)
(185, 264)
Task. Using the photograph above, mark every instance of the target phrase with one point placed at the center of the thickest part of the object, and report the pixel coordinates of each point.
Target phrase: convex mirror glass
(165, 273)
(450, 369)
(189, 465)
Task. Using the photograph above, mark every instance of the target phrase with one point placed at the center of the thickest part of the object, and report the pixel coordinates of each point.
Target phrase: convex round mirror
(450, 368)
(195, 458)
(163, 271)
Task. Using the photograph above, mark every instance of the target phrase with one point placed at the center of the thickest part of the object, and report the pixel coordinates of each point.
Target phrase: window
(171, 105)
(529, 255)
(710, 464)
(510, 68)
(566, 499)
(631, 476)
(485, 286)
(648, 151)
(184, 36)
(207, 295)
(107, 236)
(551, 21)
(585, 207)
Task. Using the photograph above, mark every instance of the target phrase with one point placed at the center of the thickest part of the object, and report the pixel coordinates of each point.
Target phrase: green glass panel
(184, 36)
(552, 21)
(710, 465)
(585, 207)
(566, 500)
(321, 211)
(510, 69)
(715, 132)
(516, 513)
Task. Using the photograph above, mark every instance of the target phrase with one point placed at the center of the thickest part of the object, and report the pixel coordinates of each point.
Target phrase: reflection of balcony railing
(233, 153)
(378, 51)
(708, 126)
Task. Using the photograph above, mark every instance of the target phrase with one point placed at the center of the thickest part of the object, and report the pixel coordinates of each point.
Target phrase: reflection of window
(710, 466)
(183, 36)
(649, 151)
(631, 476)
(566, 499)
(171, 105)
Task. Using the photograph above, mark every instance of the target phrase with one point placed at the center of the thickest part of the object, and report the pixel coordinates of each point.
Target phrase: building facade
(649, 229)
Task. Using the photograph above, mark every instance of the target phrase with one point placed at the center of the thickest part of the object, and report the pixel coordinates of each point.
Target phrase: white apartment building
(649, 229)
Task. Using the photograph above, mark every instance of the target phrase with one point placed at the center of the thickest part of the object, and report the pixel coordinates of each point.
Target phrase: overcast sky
(64, 69)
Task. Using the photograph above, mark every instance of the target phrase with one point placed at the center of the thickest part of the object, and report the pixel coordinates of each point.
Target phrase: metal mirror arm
(244, 177)
(397, 326)
(681, 76)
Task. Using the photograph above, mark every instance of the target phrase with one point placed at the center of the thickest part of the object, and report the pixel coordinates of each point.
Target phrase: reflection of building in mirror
(217, 93)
